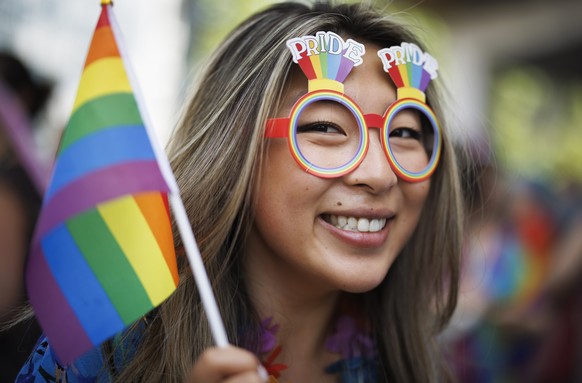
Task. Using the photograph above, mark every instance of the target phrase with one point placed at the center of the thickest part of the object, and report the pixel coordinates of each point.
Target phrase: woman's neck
(301, 332)
(303, 312)
(303, 320)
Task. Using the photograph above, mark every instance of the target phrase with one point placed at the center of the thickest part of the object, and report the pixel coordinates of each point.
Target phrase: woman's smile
(358, 232)
(353, 223)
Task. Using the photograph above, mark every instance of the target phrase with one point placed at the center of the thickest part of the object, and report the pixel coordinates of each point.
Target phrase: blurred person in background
(559, 304)
(519, 317)
(23, 97)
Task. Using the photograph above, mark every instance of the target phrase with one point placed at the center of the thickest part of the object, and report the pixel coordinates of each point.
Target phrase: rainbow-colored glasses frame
(288, 128)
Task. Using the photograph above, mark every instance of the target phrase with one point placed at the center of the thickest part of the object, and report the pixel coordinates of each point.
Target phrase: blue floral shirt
(358, 365)
(44, 366)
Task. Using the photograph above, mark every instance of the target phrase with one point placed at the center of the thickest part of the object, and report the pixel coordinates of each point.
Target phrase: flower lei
(270, 348)
(357, 348)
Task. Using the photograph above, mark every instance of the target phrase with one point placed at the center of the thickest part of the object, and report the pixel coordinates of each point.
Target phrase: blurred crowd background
(513, 77)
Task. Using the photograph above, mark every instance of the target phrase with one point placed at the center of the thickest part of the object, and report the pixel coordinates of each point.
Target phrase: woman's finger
(220, 363)
(246, 377)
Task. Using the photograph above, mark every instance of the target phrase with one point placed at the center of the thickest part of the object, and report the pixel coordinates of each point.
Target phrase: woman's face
(295, 239)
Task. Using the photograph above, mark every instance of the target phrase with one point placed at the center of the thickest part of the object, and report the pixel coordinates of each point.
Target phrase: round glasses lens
(328, 134)
(412, 139)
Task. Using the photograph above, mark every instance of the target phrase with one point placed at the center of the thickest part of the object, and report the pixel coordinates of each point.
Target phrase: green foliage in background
(536, 124)
(217, 18)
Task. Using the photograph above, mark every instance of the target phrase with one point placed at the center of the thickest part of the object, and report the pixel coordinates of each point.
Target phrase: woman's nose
(374, 172)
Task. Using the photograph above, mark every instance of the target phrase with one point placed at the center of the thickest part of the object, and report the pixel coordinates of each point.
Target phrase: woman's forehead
(369, 85)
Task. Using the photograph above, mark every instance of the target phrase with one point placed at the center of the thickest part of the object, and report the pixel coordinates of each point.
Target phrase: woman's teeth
(363, 225)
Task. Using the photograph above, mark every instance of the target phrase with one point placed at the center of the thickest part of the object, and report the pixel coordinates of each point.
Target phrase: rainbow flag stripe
(102, 254)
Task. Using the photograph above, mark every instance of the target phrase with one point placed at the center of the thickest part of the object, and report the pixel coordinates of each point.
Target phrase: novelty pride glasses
(327, 132)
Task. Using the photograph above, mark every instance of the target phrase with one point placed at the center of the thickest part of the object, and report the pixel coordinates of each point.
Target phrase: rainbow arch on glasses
(394, 109)
(303, 162)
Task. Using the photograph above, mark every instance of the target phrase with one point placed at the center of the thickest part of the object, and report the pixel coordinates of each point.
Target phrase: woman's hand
(227, 365)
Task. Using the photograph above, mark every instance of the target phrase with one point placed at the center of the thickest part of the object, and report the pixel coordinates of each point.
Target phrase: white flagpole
(204, 288)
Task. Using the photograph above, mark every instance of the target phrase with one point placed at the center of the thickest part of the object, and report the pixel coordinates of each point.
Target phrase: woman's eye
(320, 127)
(406, 133)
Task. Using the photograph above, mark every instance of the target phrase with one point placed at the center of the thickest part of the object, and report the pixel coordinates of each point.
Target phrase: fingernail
(263, 373)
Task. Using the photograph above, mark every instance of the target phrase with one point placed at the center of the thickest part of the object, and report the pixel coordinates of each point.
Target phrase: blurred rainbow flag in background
(102, 255)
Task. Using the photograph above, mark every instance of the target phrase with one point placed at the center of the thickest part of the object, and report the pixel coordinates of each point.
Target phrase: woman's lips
(357, 231)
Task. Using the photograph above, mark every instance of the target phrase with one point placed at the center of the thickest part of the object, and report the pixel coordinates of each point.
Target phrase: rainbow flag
(102, 254)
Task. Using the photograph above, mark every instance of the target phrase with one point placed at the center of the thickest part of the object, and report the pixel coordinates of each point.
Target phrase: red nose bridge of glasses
(279, 127)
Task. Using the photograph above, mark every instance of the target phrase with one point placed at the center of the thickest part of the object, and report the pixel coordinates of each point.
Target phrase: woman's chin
(361, 283)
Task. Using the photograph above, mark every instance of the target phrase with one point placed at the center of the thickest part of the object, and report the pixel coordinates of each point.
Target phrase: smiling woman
(322, 187)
